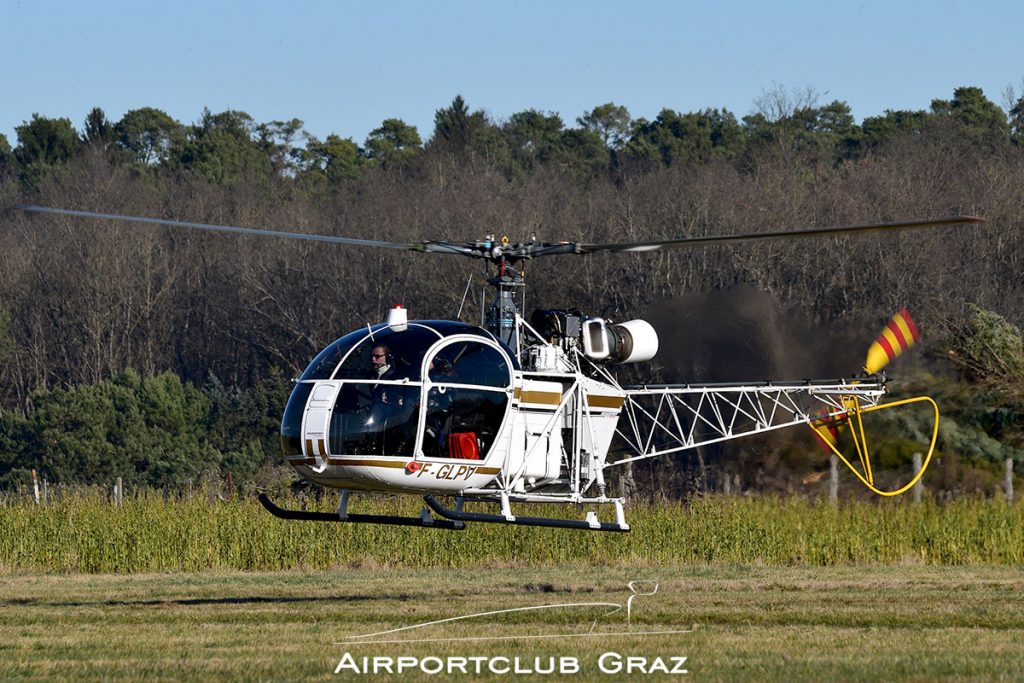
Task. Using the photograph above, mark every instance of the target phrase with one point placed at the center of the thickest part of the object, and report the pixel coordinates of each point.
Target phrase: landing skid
(459, 516)
(424, 520)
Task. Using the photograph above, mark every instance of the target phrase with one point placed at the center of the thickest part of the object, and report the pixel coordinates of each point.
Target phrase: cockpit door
(315, 425)
(467, 396)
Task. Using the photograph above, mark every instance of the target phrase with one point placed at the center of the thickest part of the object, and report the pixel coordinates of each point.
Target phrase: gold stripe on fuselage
(363, 462)
(400, 464)
(595, 401)
(546, 398)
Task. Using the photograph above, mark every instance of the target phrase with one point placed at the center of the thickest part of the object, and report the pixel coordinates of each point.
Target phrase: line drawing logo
(383, 637)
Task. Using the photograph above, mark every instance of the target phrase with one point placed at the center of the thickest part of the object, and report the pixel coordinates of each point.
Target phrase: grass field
(151, 533)
(741, 623)
(751, 589)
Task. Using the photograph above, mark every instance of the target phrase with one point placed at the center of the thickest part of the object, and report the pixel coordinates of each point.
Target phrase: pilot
(381, 362)
(391, 408)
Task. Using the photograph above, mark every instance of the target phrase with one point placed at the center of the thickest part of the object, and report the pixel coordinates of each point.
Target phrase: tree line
(229, 147)
(82, 302)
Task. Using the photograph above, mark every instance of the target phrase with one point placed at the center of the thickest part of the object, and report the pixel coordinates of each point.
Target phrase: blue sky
(343, 67)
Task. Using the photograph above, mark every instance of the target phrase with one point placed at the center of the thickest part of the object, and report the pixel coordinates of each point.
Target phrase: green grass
(773, 589)
(151, 534)
(864, 623)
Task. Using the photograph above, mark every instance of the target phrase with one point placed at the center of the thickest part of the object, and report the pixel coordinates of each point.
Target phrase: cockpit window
(462, 422)
(375, 419)
(470, 362)
(407, 347)
(389, 355)
(291, 422)
(327, 360)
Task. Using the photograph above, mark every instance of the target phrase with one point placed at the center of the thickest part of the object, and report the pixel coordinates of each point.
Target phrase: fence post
(918, 487)
(833, 479)
(627, 484)
(119, 492)
(35, 485)
(1008, 484)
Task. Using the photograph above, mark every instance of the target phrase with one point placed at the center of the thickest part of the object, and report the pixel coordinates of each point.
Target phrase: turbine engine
(629, 342)
(600, 340)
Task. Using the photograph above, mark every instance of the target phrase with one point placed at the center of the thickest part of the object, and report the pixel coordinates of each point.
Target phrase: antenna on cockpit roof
(469, 283)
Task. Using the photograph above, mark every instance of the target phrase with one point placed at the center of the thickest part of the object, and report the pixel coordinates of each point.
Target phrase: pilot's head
(380, 358)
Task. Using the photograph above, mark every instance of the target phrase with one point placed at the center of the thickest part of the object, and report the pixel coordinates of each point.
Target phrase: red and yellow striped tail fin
(897, 336)
(826, 429)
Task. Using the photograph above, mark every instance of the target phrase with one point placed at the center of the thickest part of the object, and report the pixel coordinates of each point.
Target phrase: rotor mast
(508, 283)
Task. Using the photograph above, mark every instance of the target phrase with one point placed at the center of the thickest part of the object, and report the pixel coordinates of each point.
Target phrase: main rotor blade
(426, 246)
(522, 251)
(726, 239)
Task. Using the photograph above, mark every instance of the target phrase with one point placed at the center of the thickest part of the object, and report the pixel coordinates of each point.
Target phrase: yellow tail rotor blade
(899, 334)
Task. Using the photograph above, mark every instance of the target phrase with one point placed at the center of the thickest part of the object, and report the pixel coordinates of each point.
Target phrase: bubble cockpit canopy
(386, 375)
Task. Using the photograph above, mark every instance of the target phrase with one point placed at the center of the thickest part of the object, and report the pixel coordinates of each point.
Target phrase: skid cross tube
(462, 516)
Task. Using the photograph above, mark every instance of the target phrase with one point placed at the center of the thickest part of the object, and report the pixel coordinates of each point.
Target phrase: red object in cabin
(463, 446)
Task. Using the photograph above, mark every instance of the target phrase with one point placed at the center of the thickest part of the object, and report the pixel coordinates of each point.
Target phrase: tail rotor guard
(825, 429)
(898, 335)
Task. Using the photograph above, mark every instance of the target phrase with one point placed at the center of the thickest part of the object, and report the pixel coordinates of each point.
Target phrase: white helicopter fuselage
(456, 413)
(461, 417)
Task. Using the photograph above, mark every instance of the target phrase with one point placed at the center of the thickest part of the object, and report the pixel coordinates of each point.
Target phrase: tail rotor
(898, 335)
(828, 422)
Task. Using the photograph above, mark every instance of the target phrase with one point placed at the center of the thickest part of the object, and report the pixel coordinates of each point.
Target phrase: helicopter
(516, 411)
